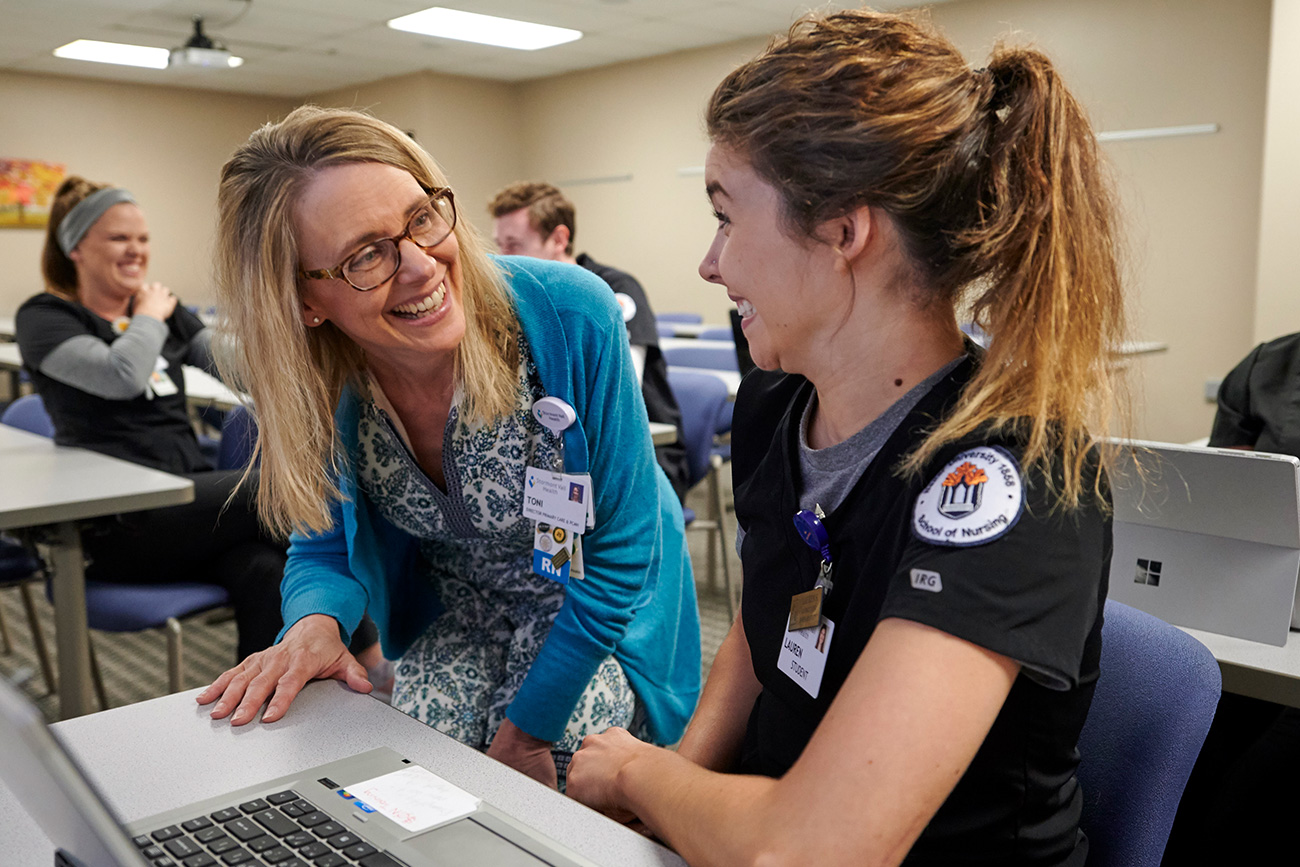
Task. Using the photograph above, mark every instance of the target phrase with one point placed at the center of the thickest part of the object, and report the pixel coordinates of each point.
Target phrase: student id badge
(553, 552)
(159, 382)
(803, 655)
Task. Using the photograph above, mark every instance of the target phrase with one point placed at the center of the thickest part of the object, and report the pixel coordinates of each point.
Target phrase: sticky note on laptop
(414, 797)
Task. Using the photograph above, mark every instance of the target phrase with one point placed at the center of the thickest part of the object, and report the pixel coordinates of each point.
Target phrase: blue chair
(238, 436)
(665, 329)
(713, 357)
(114, 607)
(690, 318)
(1152, 708)
(717, 332)
(701, 398)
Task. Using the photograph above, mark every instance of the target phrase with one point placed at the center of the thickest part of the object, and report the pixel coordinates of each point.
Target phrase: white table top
(7, 328)
(118, 749)
(201, 387)
(46, 484)
(684, 342)
(10, 357)
(690, 329)
(1258, 670)
(662, 433)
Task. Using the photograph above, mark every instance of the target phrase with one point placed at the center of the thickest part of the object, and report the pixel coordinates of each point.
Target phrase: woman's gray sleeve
(199, 352)
(116, 371)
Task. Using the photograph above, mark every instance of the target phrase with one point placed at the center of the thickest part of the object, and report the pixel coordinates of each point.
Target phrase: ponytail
(1050, 293)
(994, 184)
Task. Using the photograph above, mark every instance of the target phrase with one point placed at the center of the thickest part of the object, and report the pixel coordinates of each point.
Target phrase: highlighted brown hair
(59, 271)
(993, 181)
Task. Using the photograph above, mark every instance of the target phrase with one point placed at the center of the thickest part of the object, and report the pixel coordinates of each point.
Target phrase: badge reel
(560, 504)
(806, 607)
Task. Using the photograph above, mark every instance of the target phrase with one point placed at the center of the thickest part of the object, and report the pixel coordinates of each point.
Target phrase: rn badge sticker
(975, 498)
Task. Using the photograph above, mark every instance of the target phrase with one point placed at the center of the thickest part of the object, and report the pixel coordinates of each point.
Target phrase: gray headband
(84, 214)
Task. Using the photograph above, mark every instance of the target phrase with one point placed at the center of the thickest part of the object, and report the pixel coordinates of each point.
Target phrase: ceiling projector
(202, 53)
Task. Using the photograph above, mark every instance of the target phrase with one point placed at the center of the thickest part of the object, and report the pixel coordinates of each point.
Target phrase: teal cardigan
(638, 599)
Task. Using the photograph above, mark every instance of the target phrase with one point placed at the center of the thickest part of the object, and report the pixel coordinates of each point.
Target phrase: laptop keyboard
(281, 830)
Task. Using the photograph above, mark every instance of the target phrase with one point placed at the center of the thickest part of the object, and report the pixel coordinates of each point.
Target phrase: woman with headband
(105, 348)
(941, 511)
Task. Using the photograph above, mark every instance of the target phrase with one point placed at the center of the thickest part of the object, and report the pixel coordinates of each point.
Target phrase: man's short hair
(547, 208)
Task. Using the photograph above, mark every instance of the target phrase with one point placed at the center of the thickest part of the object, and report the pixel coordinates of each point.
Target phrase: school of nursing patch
(977, 497)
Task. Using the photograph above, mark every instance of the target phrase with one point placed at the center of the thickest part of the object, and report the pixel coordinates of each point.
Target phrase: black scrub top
(1018, 578)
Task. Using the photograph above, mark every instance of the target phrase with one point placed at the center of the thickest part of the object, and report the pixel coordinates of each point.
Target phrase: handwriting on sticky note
(415, 798)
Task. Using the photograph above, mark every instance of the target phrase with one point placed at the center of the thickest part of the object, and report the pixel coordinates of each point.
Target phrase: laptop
(375, 809)
(1210, 540)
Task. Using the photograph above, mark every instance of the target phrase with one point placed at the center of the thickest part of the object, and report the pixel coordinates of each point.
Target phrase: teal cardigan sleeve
(637, 601)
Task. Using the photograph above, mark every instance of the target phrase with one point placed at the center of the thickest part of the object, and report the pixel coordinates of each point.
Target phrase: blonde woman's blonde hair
(294, 374)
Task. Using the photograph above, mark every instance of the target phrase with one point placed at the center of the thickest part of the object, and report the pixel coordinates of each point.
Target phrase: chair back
(711, 356)
(690, 318)
(28, 413)
(716, 332)
(700, 397)
(238, 435)
(1152, 708)
(665, 329)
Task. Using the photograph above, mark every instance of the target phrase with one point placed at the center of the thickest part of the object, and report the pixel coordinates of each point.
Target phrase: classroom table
(692, 329)
(662, 433)
(1256, 670)
(666, 343)
(8, 330)
(201, 387)
(120, 749)
(54, 487)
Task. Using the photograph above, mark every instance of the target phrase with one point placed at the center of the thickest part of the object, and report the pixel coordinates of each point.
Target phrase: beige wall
(1191, 203)
(1277, 308)
(469, 125)
(165, 144)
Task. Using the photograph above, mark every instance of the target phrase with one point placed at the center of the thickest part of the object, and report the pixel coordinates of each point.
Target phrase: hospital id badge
(552, 552)
(803, 655)
(159, 382)
(559, 499)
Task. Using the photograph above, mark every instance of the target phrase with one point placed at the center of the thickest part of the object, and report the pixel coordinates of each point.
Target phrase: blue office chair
(1152, 708)
(689, 318)
(238, 436)
(114, 607)
(717, 332)
(701, 398)
(713, 357)
(665, 329)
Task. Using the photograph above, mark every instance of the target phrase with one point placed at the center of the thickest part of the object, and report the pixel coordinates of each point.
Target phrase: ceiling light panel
(484, 29)
(114, 52)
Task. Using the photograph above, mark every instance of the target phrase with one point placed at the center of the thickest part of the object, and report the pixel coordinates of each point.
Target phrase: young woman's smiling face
(414, 317)
(112, 258)
(772, 277)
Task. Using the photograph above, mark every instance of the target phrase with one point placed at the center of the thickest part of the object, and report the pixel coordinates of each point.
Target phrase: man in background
(531, 218)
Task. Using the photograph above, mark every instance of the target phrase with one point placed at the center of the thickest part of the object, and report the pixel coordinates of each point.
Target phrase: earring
(315, 320)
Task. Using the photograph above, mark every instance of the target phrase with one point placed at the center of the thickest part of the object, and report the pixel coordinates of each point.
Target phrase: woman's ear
(310, 316)
(852, 233)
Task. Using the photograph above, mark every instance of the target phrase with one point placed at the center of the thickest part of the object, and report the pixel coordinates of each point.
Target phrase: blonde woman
(938, 510)
(396, 369)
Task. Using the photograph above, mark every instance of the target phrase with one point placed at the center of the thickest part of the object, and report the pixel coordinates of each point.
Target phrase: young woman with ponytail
(941, 511)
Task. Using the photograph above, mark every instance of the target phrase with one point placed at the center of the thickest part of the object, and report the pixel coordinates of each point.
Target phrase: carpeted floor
(134, 665)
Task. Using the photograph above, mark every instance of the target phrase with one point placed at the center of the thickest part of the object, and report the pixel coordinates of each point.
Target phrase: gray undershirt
(829, 474)
(120, 370)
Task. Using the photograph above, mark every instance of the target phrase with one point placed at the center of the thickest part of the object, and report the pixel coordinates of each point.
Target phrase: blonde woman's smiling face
(412, 319)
